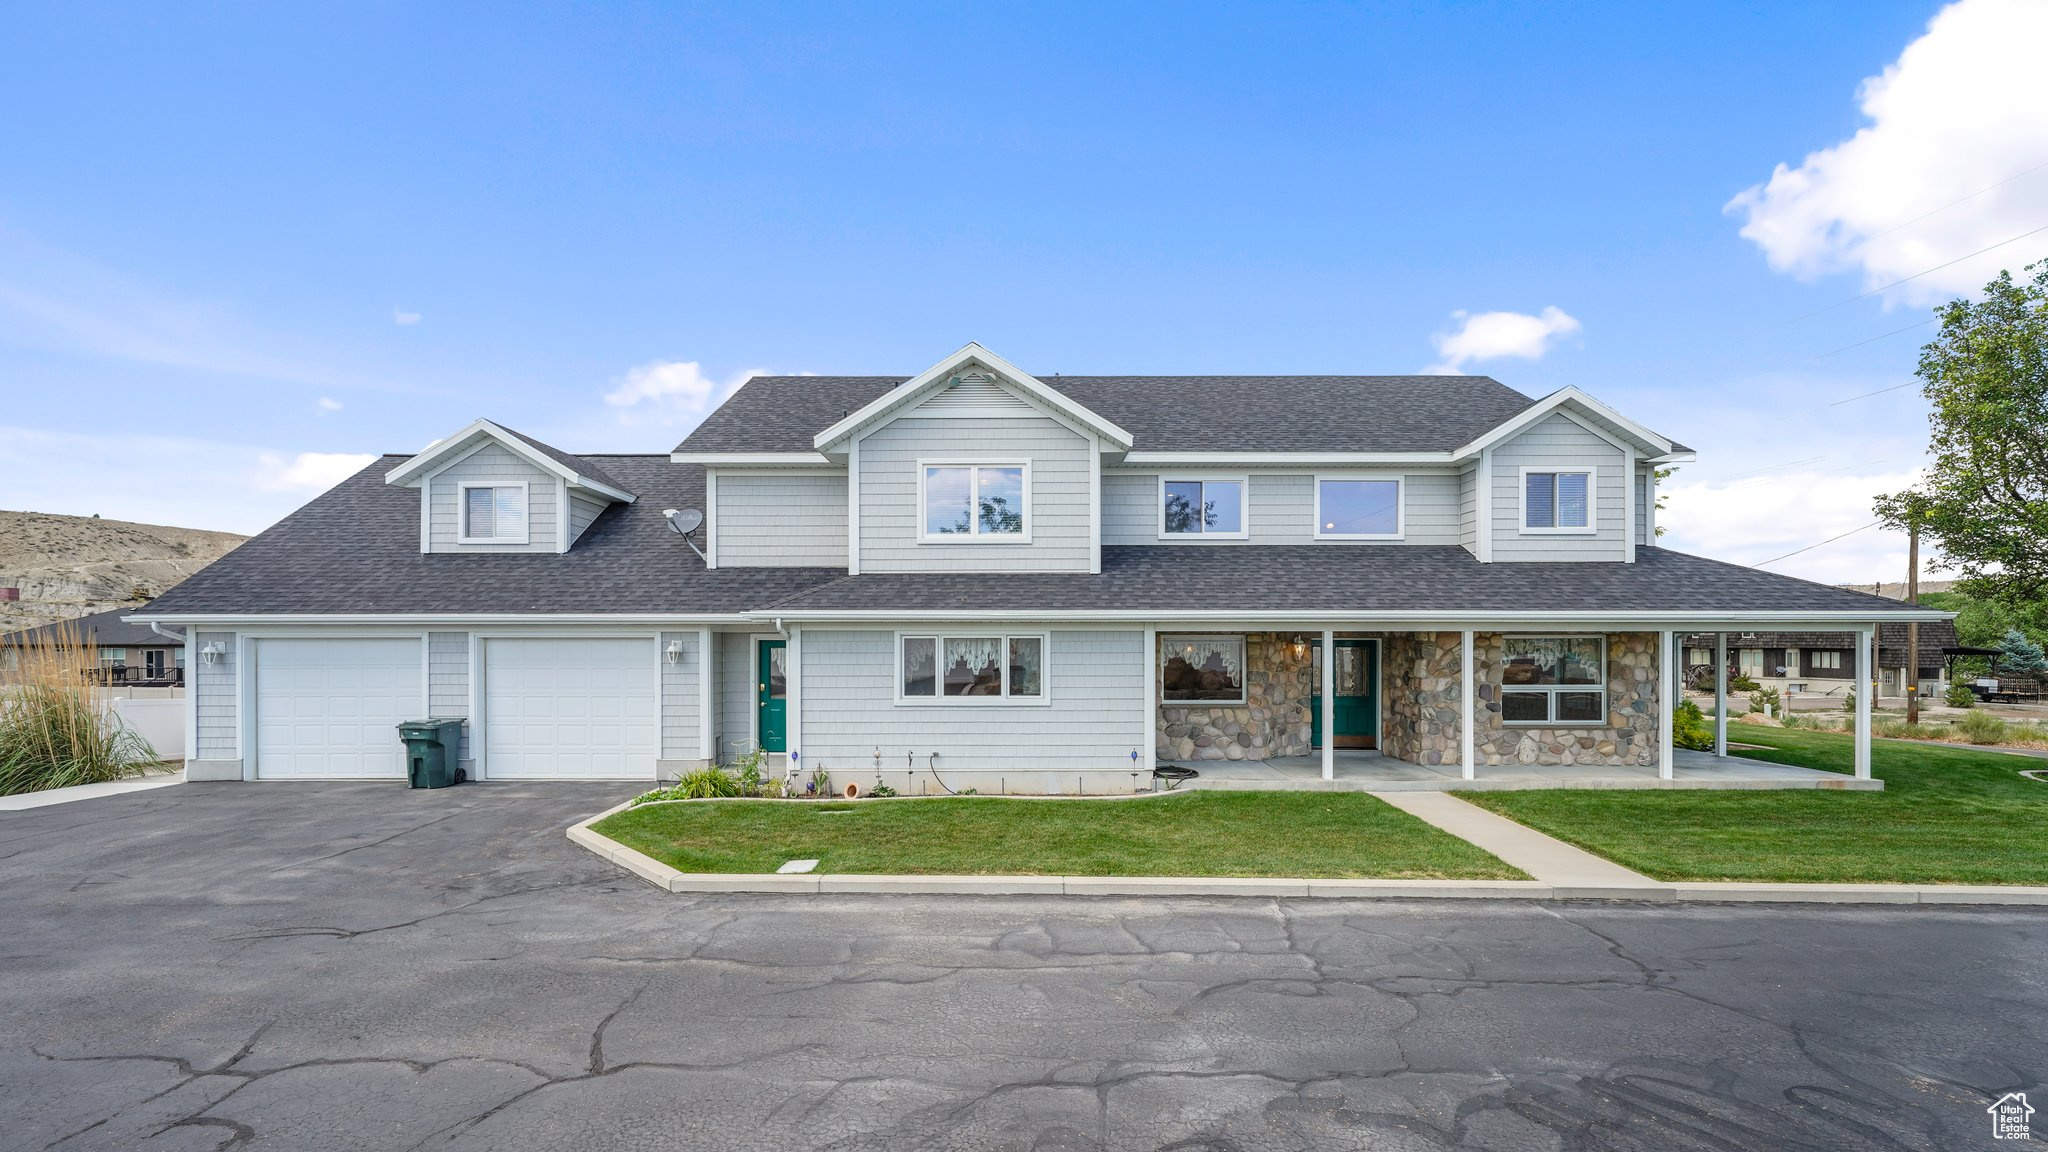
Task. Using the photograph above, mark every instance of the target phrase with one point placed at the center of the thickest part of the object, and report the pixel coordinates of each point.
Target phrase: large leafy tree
(1984, 503)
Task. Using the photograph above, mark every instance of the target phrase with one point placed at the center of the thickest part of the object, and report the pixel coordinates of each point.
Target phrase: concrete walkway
(49, 796)
(1570, 872)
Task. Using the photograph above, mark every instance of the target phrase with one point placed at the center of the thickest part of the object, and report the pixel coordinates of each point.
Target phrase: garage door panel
(570, 708)
(330, 708)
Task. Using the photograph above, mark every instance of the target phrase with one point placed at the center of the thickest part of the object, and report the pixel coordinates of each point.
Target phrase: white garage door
(569, 709)
(328, 708)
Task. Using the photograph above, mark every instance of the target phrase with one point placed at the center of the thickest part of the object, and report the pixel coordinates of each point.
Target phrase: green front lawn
(1948, 815)
(1317, 834)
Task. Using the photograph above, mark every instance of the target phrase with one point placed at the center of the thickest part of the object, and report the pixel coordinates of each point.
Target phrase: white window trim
(1244, 671)
(1592, 527)
(1244, 501)
(974, 534)
(1554, 690)
(462, 535)
(1005, 700)
(1400, 506)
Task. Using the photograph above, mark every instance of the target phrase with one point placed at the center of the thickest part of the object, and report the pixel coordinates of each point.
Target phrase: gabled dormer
(490, 489)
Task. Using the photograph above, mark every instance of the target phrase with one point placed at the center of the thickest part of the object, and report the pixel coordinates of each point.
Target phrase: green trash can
(430, 750)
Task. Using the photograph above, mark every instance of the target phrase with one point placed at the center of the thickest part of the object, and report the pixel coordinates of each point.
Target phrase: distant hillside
(1896, 590)
(68, 566)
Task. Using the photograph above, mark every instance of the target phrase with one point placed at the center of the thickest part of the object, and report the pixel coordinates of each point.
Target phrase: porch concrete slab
(1544, 858)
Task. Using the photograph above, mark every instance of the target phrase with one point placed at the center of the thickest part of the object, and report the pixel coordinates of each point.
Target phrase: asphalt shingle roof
(103, 629)
(356, 550)
(581, 465)
(1164, 413)
(1312, 578)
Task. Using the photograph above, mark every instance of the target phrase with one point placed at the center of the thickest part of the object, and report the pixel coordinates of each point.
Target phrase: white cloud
(1492, 335)
(1959, 111)
(404, 319)
(1763, 516)
(223, 486)
(327, 404)
(670, 392)
(313, 472)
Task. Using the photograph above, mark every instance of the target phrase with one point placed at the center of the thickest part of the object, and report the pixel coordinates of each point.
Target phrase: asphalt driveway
(362, 967)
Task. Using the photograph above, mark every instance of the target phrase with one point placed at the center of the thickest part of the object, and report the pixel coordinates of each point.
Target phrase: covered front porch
(1370, 771)
(1563, 706)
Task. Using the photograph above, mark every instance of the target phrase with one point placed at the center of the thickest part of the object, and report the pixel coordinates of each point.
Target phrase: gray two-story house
(992, 580)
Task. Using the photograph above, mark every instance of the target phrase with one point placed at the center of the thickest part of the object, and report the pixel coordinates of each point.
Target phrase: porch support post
(793, 726)
(1864, 691)
(1329, 704)
(707, 682)
(1667, 699)
(1151, 695)
(1721, 694)
(1468, 720)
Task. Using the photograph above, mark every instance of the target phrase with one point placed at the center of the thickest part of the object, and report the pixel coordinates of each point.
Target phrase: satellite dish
(684, 521)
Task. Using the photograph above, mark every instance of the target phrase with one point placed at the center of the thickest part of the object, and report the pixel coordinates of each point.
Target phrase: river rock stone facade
(1628, 738)
(1424, 697)
(1272, 721)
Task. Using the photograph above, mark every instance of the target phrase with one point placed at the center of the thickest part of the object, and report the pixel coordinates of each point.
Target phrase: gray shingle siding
(1061, 502)
(679, 702)
(736, 697)
(583, 508)
(448, 681)
(1094, 716)
(492, 463)
(217, 698)
(1557, 442)
(781, 519)
(1280, 508)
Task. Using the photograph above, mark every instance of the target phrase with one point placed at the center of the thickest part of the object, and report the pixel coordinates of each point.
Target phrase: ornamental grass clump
(55, 730)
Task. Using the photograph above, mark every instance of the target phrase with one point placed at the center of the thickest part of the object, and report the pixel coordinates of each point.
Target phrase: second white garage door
(569, 709)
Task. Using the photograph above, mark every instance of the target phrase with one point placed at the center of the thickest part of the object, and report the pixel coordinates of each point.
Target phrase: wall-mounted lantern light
(213, 652)
(674, 651)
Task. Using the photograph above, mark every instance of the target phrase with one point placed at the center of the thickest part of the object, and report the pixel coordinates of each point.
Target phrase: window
(989, 503)
(1557, 501)
(1358, 509)
(967, 668)
(1212, 508)
(1554, 680)
(1204, 668)
(113, 656)
(1831, 659)
(493, 514)
(153, 662)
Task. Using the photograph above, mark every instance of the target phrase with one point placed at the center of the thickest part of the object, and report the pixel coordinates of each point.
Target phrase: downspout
(159, 630)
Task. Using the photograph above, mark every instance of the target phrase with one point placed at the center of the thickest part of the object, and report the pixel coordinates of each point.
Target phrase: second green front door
(771, 674)
(1357, 708)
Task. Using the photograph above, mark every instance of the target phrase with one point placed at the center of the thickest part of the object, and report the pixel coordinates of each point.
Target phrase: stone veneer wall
(1423, 705)
(1273, 720)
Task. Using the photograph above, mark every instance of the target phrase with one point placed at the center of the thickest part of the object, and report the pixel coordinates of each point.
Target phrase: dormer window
(1557, 501)
(493, 514)
(975, 503)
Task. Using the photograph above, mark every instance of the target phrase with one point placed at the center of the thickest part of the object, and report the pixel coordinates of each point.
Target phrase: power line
(1916, 275)
(1953, 203)
(1811, 547)
(1868, 395)
(1875, 339)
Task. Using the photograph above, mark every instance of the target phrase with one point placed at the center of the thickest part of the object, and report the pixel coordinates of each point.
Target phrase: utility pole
(1912, 670)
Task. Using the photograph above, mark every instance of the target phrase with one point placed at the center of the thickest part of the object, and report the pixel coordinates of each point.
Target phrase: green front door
(771, 675)
(1357, 705)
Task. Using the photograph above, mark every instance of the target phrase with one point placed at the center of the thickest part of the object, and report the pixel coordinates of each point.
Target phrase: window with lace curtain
(991, 668)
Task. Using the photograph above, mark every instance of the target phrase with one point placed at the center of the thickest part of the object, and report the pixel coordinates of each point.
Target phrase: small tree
(2016, 653)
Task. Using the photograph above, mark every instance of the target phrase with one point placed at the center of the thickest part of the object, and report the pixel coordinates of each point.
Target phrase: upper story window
(984, 503)
(493, 514)
(1557, 501)
(1201, 507)
(1358, 508)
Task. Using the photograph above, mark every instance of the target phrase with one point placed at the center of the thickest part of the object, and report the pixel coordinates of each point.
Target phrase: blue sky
(240, 244)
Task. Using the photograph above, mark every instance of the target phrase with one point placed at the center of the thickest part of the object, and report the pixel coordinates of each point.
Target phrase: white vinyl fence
(161, 722)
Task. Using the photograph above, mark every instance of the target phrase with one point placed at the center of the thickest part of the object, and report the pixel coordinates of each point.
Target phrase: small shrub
(1689, 728)
(881, 790)
(1981, 728)
(820, 782)
(1741, 682)
(1895, 729)
(1958, 695)
(1765, 700)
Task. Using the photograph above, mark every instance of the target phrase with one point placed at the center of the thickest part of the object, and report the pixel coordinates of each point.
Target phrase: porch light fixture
(213, 652)
(674, 651)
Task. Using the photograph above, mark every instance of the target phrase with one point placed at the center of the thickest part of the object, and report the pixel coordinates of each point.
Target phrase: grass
(1948, 815)
(1310, 834)
(55, 728)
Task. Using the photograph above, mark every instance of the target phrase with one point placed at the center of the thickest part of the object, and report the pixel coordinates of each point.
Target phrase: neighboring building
(129, 655)
(1825, 662)
(1041, 584)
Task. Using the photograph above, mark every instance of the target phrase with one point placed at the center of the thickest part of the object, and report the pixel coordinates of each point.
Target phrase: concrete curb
(670, 880)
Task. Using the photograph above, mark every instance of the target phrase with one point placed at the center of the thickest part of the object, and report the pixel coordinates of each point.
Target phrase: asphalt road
(362, 967)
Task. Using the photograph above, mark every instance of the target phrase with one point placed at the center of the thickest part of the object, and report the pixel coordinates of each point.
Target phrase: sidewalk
(50, 796)
(1572, 873)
